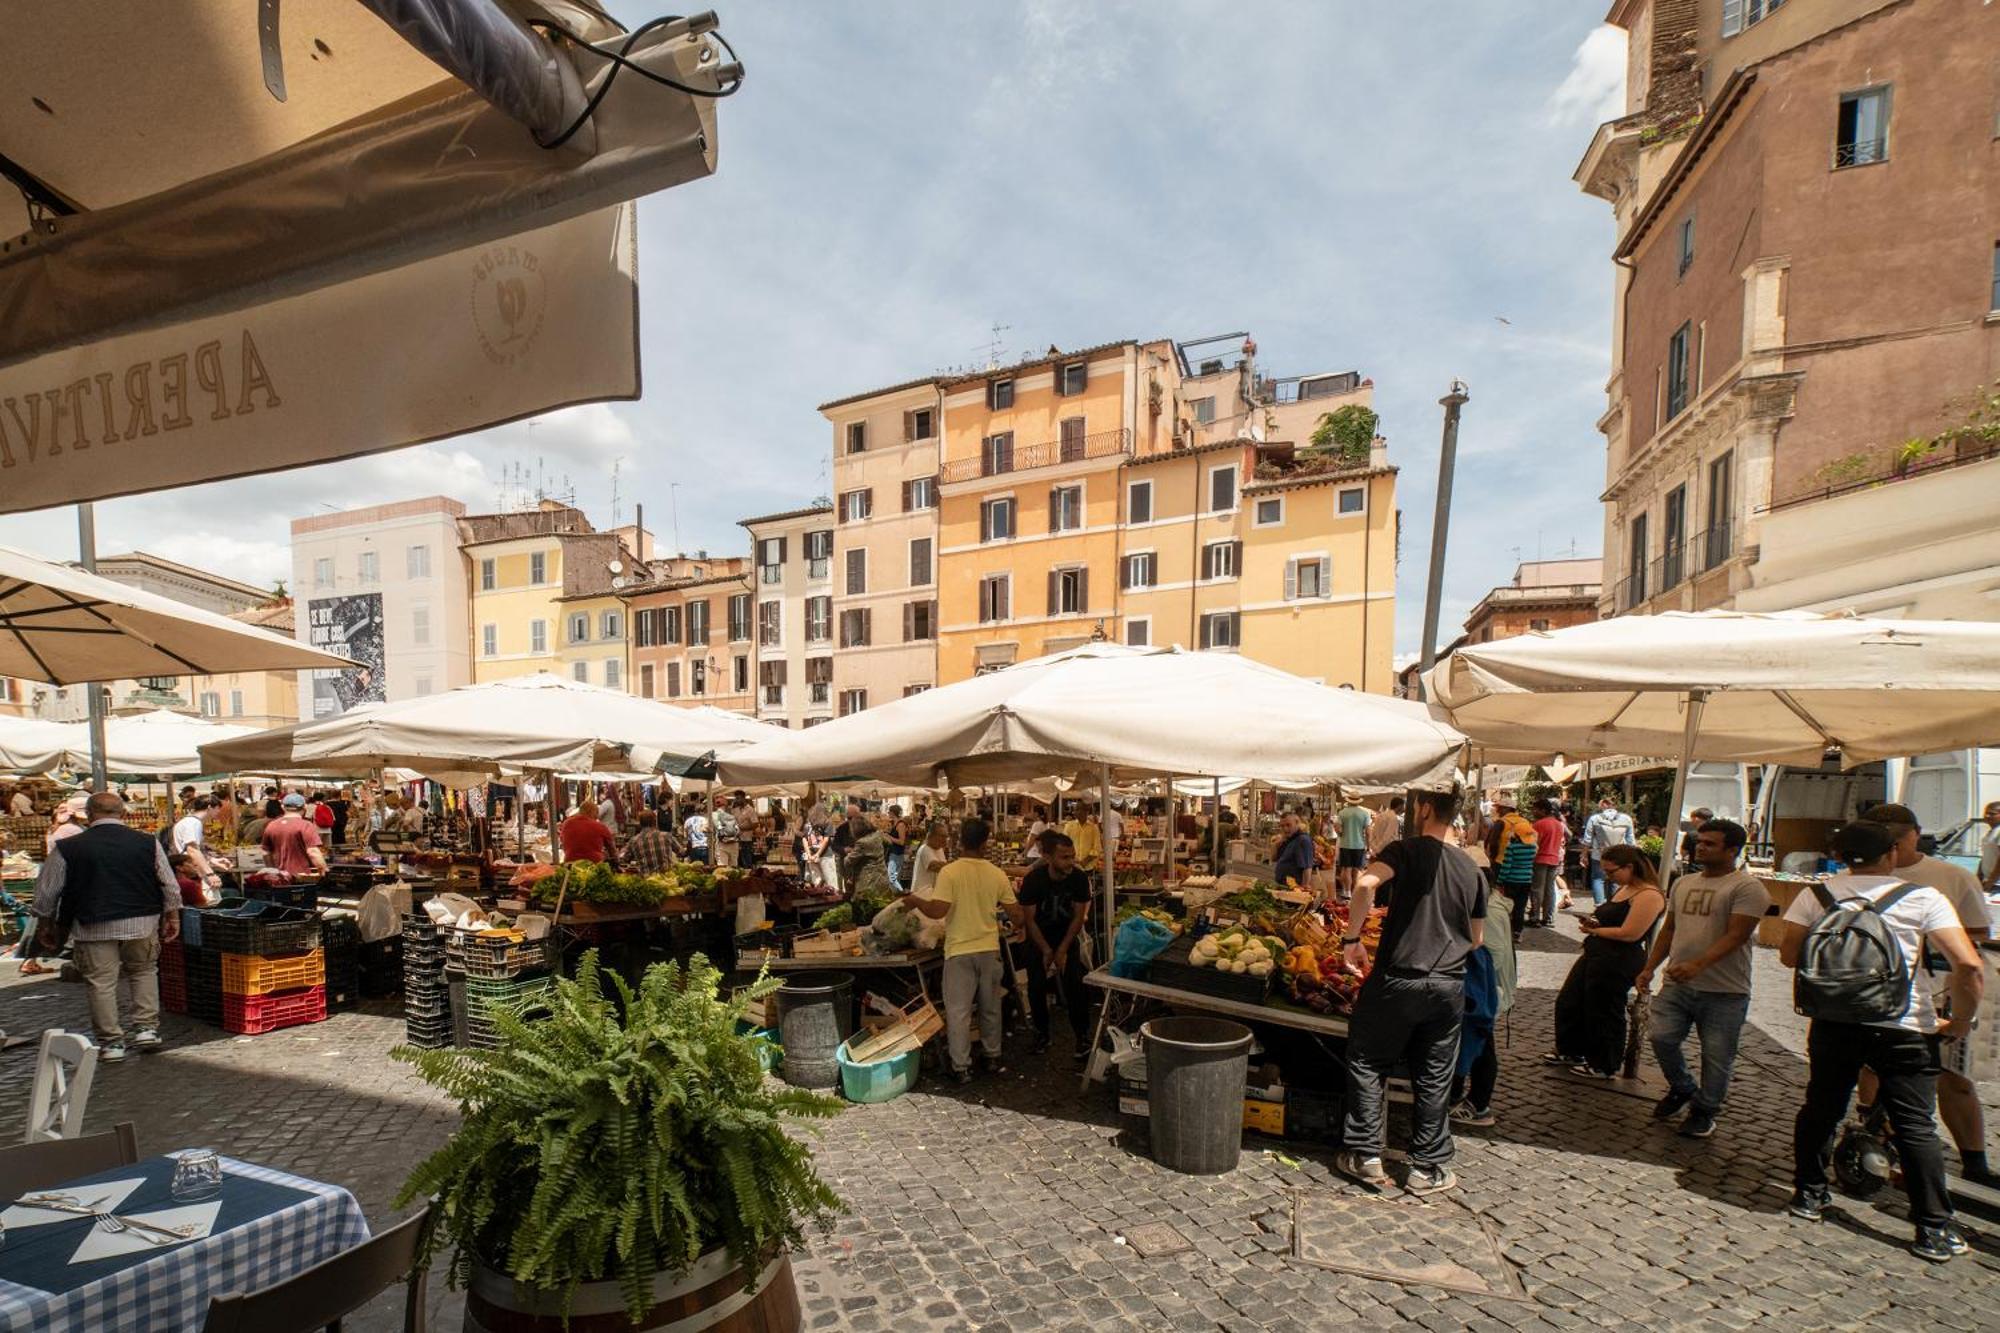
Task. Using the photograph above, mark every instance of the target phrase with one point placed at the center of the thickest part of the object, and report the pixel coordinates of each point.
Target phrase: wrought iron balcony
(996, 462)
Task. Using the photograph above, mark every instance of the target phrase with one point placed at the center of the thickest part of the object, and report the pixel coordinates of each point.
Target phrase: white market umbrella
(1730, 686)
(62, 626)
(504, 727)
(263, 238)
(1141, 712)
(30, 745)
(1108, 712)
(161, 742)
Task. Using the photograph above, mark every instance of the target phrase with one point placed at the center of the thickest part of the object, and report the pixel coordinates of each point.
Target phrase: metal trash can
(1196, 1069)
(813, 1013)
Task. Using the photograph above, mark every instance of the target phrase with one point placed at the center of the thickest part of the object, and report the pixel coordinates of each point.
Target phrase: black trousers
(1069, 983)
(1518, 894)
(1590, 1007)
(1906, 1064)
(1413, 1022)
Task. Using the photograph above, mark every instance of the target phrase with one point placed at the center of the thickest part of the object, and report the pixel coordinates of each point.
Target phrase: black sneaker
(1938, 1245)
(961, 1076)
(1039, 1044)
(1808, 1204)
(1700, 1124)
(1669, 1106)
(1559, 1059)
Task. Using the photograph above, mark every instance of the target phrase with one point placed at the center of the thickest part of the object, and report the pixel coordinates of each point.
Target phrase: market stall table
(1133, 992)
(59, 1271)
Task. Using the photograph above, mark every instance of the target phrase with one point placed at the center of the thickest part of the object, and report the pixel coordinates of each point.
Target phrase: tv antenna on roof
(996, 350)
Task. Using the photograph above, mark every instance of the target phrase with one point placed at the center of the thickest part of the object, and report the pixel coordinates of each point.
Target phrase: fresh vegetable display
(1130, 910)
(1237, 950)
(596, 882)
(835, 918)
(1321, 979)
(1257, 900)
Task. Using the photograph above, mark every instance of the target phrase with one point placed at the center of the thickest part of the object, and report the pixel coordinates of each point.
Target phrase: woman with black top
(1590, 1008)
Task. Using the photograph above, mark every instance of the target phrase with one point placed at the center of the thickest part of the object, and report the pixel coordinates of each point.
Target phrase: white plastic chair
(64, 1068)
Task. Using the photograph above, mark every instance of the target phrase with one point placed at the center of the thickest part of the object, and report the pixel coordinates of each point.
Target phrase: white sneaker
(111, 1052)
(145, 1039)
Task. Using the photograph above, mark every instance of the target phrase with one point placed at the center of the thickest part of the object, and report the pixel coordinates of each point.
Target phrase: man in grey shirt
(1705, 942)
(112, 886)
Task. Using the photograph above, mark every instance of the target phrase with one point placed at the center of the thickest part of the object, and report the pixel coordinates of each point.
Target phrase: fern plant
(619, 1138)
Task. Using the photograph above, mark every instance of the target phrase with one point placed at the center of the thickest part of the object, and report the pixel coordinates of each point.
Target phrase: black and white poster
(352, 628)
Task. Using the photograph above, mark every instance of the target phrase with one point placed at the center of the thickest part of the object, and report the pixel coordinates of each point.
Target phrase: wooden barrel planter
(714, 1296)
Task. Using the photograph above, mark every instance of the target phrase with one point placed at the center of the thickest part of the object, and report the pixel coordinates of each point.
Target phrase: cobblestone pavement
(1016, 1204)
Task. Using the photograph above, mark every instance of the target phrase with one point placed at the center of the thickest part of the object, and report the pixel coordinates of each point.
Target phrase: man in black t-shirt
(1409, 1009)
(1057, 897)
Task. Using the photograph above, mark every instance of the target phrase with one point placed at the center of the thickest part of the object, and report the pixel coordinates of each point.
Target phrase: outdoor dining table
(60, 1271)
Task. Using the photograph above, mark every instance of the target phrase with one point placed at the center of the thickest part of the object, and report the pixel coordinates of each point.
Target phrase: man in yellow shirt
(1089, 839)
(969, 895)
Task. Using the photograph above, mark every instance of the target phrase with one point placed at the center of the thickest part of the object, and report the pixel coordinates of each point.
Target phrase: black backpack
(1851, 969)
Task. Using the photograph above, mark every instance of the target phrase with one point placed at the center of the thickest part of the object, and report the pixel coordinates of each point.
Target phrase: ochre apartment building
(885, 548)
(1030, 503)
(693, 638)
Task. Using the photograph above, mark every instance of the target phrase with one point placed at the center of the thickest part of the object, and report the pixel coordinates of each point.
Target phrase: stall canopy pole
(1215, 830)
(1170, 826)
(1670, 853)
(1104, 851)
(86, 542)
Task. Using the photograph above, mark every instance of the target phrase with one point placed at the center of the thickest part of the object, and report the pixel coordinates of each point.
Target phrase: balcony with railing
(1670, 568)
(996, 462)
(1631, 591)
(1712, 548)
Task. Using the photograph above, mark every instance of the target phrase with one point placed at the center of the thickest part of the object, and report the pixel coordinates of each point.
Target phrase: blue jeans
(1597, 893)
(1718, 1016)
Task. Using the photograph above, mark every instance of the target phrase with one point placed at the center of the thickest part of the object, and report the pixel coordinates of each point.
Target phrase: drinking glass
(197, 1175)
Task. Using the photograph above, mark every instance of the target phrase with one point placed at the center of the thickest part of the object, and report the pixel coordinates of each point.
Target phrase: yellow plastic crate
(248, 974)
(1264, 1117)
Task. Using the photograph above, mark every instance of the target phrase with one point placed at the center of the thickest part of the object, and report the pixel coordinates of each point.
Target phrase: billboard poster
(352, 627)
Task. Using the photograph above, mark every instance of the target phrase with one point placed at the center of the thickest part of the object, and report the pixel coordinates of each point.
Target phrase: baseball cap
(1891, 814)
(295, 802)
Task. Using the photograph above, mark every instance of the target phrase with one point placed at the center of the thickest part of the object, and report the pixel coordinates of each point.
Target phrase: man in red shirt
(585, 837)
(1550, 835)
(291, 843)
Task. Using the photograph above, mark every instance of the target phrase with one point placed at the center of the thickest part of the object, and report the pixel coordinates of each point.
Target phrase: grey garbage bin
(1196, 1069)
(814, 1014)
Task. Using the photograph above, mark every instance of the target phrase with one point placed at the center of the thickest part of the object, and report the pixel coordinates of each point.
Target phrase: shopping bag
(1138, 942)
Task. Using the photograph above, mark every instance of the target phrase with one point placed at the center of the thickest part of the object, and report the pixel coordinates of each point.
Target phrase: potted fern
(622, 1152)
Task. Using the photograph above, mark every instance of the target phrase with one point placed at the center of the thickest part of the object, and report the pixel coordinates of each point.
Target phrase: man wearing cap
(1957, 1096)
(291, 841)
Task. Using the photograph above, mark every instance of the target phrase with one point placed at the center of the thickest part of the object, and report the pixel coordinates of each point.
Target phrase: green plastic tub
(880, 1080)
(769, 1053)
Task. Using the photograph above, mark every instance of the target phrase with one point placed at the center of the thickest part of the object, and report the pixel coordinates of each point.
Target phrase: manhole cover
(1435, 1244)
(1155, 1239)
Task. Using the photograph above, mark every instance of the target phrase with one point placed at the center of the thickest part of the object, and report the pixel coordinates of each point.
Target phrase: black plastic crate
(259, 929)
(298, 893)
(1172, 968)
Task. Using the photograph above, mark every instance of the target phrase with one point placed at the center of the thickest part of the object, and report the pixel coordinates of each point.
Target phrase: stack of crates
(426, 999)
(273, 971)
(199, 969)
(340, 938)
(501, 968)
(173, 978)
(381, 967)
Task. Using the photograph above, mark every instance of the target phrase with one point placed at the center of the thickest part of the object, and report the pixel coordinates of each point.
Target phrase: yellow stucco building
(1030, 501)
(544, 595)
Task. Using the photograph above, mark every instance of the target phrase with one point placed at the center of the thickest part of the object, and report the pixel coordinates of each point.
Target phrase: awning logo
(509, 301)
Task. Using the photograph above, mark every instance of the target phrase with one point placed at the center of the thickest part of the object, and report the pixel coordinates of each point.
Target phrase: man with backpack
(1858, 944)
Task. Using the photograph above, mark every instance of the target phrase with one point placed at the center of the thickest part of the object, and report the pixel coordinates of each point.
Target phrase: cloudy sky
(1379, 188)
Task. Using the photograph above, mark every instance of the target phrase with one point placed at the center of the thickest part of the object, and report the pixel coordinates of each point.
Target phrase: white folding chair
(64, 1068)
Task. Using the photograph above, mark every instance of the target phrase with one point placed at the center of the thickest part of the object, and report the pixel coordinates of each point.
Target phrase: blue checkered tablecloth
(272, 1226)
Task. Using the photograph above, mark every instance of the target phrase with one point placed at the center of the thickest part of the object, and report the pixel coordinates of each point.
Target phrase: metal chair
(323, 1294)
(64, 1068)
(39, 1166)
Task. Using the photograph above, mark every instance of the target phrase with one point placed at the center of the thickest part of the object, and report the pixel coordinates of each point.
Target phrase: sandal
(31, 968)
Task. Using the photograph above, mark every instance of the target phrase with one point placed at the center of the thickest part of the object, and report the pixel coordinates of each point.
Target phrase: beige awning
(219, 282)
(61, 626)
(1775, 688)
(1143, 712)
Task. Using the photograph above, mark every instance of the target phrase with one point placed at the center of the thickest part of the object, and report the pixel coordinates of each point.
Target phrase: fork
(160, 1235)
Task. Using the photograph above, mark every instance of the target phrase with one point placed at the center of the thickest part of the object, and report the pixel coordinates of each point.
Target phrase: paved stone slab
(1433, 1242)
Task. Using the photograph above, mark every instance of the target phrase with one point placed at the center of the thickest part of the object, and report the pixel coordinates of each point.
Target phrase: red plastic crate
(268, 1013)
(173, 978)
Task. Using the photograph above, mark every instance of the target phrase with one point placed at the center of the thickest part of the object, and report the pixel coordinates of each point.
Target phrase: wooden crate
(919, 1022)
(828, 944)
